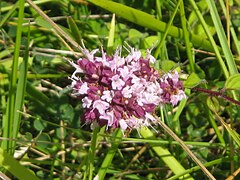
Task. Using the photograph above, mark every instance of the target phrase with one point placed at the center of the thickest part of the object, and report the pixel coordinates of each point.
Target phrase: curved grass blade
(148, 21)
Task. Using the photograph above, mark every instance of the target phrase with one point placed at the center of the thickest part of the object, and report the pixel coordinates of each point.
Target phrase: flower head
(123, 91)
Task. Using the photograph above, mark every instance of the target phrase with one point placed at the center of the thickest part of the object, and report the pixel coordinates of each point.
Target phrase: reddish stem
(216, 93)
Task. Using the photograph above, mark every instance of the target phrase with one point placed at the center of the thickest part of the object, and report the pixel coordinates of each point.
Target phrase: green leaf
(41, 22)
(74, 29)
(61, 133)
(192, 81)
(133, 33)
(66, 112)
(150, 41)
(233, 82)
(39, 125)
(43, 140)
(167, 65)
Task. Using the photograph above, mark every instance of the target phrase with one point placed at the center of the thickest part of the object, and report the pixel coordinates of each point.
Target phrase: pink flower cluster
(122, 91)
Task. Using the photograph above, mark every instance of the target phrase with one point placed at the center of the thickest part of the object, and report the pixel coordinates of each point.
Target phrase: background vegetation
(40, 119)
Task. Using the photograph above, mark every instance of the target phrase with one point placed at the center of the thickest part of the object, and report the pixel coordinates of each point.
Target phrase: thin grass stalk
(215, 126)
(235, 136)
(222, 37)
(91, 154)
(54, 25)
(9, 120)
(166, 32)
(117, 138)
(228, 23)
(21, 86)
(186, 149)
(175, 120)
(188, 44)
(233, 33)
(214, 45)
(163, 52)
(166, 142)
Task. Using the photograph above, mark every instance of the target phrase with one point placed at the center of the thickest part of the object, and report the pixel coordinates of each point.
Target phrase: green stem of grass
(163, 51)
(233, 33)
(91, 154)
(207, 31)
(222, 37)
(117, 138)
(186, 37)
(166, 32)
(20, 94)
(8, 122)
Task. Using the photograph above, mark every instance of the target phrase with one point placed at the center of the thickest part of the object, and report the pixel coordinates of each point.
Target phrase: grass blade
(13, 166)
(148, 21)
(186, 149)
(21, 86)
(8, 15)
(166, 32)
(164, 154)
(10, 113)
(111, 36)
(233, 33)
(222, 37)
(188, 44)
(207, 31)
(109, 157)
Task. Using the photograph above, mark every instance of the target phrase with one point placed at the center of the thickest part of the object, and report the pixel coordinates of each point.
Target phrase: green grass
(198, 139)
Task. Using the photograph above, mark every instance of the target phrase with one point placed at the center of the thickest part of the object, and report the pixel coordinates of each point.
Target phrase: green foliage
(41, 121)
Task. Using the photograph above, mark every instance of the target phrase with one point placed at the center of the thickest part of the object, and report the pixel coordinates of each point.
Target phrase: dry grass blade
(234, 175)
(54, 25)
